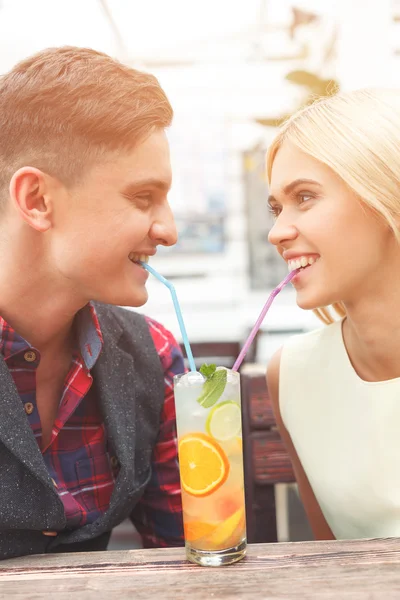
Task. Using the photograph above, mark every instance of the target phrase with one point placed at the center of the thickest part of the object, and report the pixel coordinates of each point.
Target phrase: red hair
(64, 108)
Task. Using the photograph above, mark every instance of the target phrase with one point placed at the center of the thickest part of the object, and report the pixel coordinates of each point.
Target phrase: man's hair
(64, 108)
(357, 135)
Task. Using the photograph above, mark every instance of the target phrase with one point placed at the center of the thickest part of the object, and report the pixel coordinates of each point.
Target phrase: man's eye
(143, 200)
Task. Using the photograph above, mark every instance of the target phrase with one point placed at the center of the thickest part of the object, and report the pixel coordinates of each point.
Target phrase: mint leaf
(207, 370)
(213, 389)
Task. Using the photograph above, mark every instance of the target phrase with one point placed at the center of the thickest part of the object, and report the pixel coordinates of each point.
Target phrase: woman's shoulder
(303, 351)
(317, 339)
(303, 356)
(305, 365)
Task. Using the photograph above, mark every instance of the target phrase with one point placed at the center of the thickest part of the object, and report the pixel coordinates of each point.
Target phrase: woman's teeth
(301, 262)
(136, 258)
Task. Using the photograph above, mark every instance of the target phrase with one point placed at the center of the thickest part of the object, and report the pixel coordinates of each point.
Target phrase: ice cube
(233, 377)
(191, 378)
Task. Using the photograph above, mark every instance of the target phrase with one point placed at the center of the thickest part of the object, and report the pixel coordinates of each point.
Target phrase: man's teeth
(138, 257)
(302, 261)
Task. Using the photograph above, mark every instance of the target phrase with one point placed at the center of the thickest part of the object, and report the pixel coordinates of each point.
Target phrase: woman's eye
(304, 196)
(274, 210)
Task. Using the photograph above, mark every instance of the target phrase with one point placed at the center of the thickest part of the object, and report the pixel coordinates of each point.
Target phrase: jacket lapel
(112, 372)
(15, 431)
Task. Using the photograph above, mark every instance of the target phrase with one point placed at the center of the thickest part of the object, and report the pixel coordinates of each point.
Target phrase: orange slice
(194, 530)
(203, 464)
(230, 532)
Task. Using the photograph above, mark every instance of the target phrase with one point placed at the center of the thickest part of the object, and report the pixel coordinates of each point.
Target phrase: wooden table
(366, 569)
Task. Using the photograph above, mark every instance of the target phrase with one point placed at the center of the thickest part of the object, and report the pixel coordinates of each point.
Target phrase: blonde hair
(357, 135)
(64, 108)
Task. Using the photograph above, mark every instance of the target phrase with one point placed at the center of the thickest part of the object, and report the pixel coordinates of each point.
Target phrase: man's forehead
(155, 171)
(149, 163)
(162, 183)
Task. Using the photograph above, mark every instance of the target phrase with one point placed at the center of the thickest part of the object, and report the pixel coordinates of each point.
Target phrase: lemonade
(209, 426)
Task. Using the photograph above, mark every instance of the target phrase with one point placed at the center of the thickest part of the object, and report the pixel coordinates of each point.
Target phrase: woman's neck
(373, 344)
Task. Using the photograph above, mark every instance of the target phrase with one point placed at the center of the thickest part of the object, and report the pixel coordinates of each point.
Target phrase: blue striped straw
(177, 310)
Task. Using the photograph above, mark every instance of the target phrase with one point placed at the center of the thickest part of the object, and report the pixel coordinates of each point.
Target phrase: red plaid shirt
(79, 458)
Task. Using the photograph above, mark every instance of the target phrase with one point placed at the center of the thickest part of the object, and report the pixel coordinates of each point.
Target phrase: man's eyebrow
(292, 185)
(161, 184)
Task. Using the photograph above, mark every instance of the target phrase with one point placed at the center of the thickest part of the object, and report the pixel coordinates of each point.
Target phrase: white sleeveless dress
(346, 432)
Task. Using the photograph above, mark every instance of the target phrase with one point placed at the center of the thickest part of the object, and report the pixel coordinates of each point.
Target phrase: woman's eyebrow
(292, 185)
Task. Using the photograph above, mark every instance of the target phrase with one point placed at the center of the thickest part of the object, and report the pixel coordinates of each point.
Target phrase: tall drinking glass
(209, 427)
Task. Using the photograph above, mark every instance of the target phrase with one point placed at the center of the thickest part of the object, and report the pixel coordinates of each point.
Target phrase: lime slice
(224, 421)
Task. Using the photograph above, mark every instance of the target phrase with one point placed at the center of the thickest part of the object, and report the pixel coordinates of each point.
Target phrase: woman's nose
(282, 231)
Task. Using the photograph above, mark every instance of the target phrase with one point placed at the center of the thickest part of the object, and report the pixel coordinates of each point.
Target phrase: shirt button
(28, 406)
(114, 462)
(30, 356)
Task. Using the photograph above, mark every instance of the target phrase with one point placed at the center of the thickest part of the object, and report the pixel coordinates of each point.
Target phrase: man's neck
(39, 310)
(47, 330)
(35, 298)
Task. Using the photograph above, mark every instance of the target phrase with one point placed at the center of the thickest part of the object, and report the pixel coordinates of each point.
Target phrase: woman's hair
(357, 135)
(65, 108)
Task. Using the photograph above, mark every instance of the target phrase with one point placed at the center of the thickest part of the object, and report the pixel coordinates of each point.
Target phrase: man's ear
(29, 195)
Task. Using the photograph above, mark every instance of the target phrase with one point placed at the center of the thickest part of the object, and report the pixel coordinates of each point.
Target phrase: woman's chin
(310, 302)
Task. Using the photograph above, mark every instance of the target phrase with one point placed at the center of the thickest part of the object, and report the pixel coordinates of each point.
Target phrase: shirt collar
(10, 342)
(90, 339)
(89, 335)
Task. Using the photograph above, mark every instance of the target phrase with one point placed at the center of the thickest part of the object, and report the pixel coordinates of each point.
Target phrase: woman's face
(319, 220)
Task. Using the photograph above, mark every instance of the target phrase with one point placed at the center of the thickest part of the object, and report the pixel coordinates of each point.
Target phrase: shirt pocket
(95, 482)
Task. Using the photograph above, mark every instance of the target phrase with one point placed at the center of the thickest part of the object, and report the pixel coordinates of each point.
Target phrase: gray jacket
(129, 382)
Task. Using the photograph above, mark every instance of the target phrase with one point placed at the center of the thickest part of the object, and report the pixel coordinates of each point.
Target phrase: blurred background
(233, 71)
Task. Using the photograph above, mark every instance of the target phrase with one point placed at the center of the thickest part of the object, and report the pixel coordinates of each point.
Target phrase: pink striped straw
(260, 319)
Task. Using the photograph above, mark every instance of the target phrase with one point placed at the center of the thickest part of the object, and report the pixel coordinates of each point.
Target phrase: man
(87, 422)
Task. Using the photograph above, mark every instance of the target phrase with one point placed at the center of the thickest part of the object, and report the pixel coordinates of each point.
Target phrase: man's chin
(136, 300)
(137, 303)
(133, 300)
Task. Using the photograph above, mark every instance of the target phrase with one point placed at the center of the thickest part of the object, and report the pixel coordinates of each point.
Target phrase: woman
(334, 175)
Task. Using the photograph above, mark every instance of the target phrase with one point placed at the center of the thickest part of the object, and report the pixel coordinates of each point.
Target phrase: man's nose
(163, 230)
(282, 230)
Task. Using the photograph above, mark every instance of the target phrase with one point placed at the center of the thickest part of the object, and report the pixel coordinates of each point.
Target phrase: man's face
(116, 215)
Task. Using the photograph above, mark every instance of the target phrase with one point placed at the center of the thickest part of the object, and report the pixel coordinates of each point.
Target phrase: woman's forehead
(291, 164)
